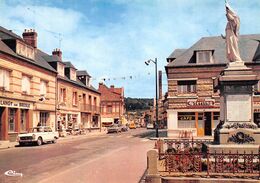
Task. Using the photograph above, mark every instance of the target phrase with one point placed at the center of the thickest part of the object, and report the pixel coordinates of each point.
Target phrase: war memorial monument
(237, 130)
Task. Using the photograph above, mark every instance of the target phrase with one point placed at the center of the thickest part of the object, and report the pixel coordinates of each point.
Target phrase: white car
(38, 135)
(149, 126)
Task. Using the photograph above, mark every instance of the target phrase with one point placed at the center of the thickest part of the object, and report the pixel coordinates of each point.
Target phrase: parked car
(149, 126)
(38, 135)
(132, 126)
(138, 125)
(114, 128)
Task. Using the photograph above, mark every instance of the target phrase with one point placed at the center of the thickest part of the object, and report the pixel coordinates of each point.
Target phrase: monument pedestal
(237, 130)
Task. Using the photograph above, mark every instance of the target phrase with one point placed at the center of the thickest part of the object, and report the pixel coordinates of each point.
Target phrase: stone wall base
(153, 179)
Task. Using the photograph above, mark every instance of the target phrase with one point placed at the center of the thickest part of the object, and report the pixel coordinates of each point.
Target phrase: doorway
(207, 124)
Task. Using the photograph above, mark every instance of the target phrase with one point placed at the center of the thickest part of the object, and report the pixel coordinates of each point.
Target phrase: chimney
(112, 88)
(58, 53)
(30, 37)
(160, 85)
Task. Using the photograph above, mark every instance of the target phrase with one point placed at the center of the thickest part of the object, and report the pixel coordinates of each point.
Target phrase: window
(95, 101)
(186, 120)
(11, 120)
(204, 56)
(43, 88)
(26, 84)
(23, 119)
(62, 95)
(109, 109)
(74, 98)
(4, 79)
(89, 100)
(187, 86)
(44, 116)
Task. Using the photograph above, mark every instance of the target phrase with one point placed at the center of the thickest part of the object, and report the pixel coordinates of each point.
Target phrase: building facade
(38, 89)
(193, 104)
(78, 102)
(27, 85)
(112, 104)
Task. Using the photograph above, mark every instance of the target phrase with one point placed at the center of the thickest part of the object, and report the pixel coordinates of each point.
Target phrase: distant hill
(133, 104)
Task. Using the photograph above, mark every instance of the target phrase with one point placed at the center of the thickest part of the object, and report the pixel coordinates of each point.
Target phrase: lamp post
(156, 94)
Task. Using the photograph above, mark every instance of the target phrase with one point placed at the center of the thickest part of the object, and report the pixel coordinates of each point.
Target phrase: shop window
(216, 119)
(257, 119)
(23, 119)
(257, 88)
(43, 88)
(187, 86)
(204, 56)
(26, 84)
(186, 120)
(44, 116)
(4, 79)
(95, 121)
(11, 120)
(74, 98)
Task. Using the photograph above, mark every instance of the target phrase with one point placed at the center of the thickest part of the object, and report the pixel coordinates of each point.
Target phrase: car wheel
(39, 141)
(21, 143)
(54, 140)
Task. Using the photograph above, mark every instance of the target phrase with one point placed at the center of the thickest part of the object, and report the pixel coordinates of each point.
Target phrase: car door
(46, 134)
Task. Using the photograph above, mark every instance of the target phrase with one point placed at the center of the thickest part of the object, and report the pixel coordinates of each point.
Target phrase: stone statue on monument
(232, 32)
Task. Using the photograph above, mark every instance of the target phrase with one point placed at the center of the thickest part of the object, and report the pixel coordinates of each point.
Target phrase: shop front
(69, 120)
(197, 118)
(15, 118)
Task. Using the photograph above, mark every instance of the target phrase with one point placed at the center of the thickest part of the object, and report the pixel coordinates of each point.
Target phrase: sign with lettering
(209, 102)
(15, 104)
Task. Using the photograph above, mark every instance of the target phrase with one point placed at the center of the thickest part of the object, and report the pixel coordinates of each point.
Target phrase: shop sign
(15, 104)
(257, 110)
(210, 102)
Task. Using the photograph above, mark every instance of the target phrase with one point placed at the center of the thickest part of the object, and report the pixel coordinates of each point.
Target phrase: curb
(9, 145)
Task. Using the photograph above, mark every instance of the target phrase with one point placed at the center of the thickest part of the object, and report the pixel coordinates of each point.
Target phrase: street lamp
(156, 91)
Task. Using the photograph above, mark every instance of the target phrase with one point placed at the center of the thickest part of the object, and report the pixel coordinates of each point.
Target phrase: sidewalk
(7, 144)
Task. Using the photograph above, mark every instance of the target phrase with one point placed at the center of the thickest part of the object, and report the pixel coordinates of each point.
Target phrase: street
(109, 158)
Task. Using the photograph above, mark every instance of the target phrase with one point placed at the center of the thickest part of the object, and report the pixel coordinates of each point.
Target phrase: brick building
(27, 85)
(193, 104)
(112, 104)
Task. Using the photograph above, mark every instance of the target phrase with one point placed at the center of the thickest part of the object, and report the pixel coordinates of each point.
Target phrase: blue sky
(111, 39)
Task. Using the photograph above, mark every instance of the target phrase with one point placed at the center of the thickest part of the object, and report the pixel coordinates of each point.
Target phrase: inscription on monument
(238, 108)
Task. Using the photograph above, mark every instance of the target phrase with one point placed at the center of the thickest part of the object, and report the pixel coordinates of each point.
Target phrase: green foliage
(135, 104)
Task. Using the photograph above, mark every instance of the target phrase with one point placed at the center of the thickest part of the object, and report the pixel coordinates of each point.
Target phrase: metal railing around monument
(187, 157)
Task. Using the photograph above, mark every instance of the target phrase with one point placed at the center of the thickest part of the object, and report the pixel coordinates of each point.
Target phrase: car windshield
(37, 129)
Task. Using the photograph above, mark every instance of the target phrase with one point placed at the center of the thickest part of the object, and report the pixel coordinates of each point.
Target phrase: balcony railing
(90, 108)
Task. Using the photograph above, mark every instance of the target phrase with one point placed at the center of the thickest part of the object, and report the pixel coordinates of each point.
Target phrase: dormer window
(204, 56)
(25, 50)
(72, 74)
(61, 69)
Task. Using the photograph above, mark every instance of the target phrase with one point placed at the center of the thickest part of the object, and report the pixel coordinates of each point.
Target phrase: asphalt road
(108, 158)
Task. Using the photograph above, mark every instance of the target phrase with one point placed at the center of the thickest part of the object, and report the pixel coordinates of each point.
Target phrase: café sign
(15, 104)
(209, 102)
